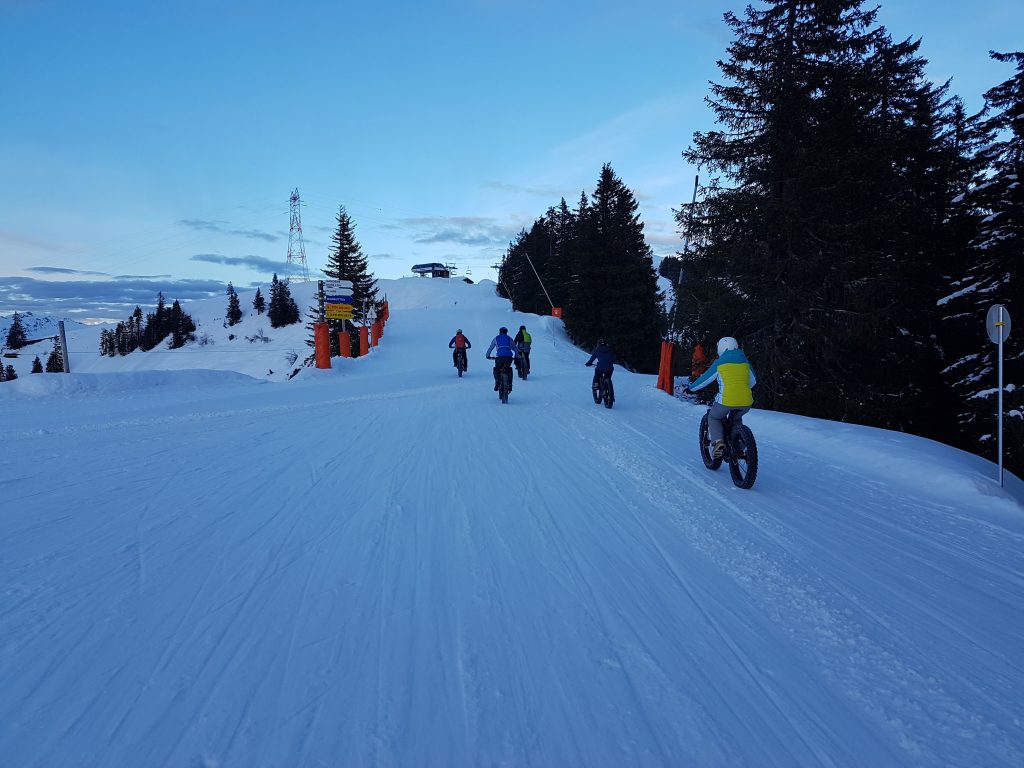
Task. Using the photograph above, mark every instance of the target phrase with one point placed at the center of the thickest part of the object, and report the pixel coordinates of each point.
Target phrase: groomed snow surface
(381, 565)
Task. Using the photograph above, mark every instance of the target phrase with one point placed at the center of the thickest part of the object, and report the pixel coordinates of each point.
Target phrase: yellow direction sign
(338, 314)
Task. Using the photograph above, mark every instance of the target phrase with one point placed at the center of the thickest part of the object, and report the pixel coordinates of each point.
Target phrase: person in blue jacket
(605, 361)
(736, 379)
(505, 351)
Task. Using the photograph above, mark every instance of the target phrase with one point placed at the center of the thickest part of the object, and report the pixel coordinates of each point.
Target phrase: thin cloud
(462, 230)
(217, 226)
(65, 271)
(550, 192)
(256, 263)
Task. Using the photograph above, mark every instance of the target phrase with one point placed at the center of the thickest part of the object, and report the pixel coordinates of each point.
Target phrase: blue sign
(338, 299)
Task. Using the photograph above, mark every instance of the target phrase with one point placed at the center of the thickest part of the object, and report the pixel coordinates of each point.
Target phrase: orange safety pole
(344, 344)
(661, 367)
(374, 334)
(322, 345)
(364, 346)
(670, 383)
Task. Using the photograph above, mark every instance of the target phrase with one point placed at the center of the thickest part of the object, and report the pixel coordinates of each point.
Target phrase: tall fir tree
(37, 366)
(810, 252)
(346, 261)
(16, 337)
(11, 373)
(614, 291)
(992, 276)
(259, 303)
(233, 315)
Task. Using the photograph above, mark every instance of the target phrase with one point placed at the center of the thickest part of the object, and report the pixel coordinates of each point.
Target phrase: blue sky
(153, 145)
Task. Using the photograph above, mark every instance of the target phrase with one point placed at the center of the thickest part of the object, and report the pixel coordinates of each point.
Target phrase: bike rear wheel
(743, 457)
(609, 393)
(705, 446)
(505, 385)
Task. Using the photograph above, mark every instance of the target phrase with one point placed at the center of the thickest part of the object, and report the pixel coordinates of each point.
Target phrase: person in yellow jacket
(736, 379)
(524, 340)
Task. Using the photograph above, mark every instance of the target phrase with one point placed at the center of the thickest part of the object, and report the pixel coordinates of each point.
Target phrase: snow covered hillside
(382, 565)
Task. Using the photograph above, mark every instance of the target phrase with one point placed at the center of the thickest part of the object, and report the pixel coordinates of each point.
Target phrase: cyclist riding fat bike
(735, 378)
(524, 340)
(505, 351)
(460, 344)
(605, 361)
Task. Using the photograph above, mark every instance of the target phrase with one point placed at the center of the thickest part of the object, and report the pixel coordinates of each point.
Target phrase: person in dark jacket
(605, 361)
(505, 351)
(460, 344)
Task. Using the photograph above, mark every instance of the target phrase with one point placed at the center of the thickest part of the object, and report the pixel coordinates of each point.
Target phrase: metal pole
(320, 298)
(1000, 326)
(67, 364)
(689, 226)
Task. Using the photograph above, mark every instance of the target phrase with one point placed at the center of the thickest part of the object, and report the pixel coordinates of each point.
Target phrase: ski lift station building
(431, 270)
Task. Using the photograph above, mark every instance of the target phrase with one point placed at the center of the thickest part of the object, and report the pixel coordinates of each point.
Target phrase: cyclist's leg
(737, 417)
(716, 429)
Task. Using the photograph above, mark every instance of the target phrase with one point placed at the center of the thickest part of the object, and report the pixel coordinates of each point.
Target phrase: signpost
(338, 299)
(997, 325)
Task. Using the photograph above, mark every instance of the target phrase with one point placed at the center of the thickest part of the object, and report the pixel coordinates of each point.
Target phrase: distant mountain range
(37, 326)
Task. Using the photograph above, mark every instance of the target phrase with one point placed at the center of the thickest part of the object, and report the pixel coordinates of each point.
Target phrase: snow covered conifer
(16, 338)
(234, 311)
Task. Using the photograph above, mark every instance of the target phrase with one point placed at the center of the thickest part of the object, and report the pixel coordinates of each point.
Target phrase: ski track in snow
(384, 566)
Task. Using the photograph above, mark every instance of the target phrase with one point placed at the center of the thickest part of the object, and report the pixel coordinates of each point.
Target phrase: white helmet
(726, 343)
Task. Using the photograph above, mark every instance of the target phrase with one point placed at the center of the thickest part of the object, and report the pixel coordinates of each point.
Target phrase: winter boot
(718, 449)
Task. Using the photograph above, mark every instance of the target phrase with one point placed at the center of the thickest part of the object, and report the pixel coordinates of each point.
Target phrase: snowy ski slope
(380, 565)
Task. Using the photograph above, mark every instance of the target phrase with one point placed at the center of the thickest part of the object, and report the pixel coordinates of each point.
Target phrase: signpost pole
(64, 348)
(998, 326)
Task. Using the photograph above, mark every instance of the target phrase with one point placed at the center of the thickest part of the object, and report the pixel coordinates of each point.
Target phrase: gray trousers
(716, 430)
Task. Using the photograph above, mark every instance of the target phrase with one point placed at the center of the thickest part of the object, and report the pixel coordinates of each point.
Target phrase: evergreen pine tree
(993, 276)
(283, 310)
(614, 293)
(182, 327)
(258, 303)
(3, 375)
(345, 261)
(37, 366)
(55, 363)
(234, 311)
(11, 374)
(16, 338)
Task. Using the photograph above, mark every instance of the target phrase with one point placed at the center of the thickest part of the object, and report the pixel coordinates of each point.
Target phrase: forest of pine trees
(859, 226)
(136, 333)
(594, 263)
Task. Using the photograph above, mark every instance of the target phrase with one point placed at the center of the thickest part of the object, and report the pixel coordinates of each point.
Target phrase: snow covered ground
(382, 565)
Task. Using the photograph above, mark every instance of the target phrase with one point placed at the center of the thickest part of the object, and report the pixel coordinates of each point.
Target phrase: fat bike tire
(743, 461)
(705, 447)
